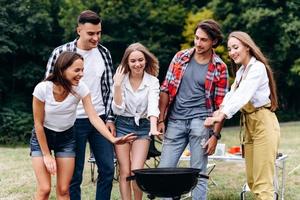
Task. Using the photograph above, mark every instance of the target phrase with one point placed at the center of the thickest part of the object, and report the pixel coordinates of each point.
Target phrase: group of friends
(83, 100)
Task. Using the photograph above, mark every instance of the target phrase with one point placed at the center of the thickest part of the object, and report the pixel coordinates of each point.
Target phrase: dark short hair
(88, 16)
(212, 29)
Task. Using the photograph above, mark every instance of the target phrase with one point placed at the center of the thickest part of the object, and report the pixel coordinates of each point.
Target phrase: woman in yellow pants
(254, 94)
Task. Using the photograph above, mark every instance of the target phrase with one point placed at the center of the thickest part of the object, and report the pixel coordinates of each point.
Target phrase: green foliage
(156, 24)
(191, 22)
(189, 28)
(296, 68)
(71, 9)
(274, 26)
(15, 126)
(31, 29)
(27, 34)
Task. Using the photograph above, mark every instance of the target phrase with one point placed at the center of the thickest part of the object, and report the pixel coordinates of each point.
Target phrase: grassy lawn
(18, 182)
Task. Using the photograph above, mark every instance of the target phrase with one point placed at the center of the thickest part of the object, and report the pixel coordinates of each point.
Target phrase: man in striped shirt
(98, 77)
(194, 87)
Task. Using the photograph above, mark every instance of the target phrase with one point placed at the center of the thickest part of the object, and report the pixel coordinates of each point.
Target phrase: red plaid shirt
(216, 82)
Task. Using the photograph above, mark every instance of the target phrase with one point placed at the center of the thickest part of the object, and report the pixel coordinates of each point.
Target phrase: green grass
(18, 182)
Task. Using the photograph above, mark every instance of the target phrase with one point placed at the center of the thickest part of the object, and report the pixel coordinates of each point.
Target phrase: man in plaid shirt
(98, 77)
(195, 85)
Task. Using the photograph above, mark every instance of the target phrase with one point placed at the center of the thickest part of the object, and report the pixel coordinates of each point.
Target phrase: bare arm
(99, 124)
(163, 104)
(153, 126)
(38, 116)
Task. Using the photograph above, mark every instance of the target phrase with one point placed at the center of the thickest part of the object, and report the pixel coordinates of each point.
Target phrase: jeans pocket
(175, 123)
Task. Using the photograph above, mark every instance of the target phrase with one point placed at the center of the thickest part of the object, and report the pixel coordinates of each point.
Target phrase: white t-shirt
(59, 116)
(141, 103)
(92, 73)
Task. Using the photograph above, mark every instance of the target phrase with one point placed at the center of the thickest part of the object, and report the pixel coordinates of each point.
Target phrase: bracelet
(160, 121)
(217, 135)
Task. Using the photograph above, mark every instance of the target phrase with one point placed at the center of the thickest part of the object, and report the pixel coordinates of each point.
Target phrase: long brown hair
(63, 62)
(256, 52)
(152, 65)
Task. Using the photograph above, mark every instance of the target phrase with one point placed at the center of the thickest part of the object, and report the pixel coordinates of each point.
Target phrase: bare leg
(139, 153)
(123, 156)
(43, 178)
(65, 169)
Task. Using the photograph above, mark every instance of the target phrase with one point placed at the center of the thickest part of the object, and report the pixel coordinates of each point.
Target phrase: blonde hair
(152, 64)
(256, 52)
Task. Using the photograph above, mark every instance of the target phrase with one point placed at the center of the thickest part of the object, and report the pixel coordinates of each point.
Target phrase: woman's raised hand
(119, 76)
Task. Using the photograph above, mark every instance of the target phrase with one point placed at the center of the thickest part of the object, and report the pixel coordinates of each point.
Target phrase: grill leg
(151, 196)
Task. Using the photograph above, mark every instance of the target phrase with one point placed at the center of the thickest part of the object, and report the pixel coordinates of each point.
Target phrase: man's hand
(111, 127)
(210, 145)
(127, 138)
(50, 164)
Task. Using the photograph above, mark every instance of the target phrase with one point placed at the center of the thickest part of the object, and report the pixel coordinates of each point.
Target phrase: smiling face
(74, 72)
(136, 63)
(203, 43)
(238, 52)
(89, 35)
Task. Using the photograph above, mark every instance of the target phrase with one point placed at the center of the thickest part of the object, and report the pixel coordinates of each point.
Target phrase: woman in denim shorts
(54, 111)
(136, 96)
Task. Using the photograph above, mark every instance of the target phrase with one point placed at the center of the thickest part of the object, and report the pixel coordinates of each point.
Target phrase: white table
(279, 169)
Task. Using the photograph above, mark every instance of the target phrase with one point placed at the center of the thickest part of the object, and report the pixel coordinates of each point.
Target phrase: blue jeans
(178, 134)
(103, 152)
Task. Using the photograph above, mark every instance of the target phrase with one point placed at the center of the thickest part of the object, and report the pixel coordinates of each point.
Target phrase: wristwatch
(217, 135)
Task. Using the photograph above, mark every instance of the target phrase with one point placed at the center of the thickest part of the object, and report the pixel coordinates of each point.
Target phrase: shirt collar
(215, 59)
(145, 82)
(251, 62)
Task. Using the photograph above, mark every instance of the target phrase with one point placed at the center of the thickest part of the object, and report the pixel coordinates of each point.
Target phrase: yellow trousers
(261, 140)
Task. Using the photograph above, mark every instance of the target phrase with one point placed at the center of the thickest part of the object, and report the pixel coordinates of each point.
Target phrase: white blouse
(141, 103)
(253, 87)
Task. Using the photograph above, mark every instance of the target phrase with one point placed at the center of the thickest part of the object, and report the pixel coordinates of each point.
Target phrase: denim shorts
(62, 143)
(126, 125)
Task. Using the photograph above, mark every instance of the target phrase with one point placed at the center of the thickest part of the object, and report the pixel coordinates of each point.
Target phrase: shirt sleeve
(82, 90)
(243, 94)
(222, 86)
(51, 61)
(169, 76)
(153, 98)
(119, 109)
(228, 95)
(40, 91)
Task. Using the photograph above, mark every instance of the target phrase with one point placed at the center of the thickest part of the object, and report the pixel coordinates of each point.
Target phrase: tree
(25, 43)
(156, 24)
(274, 25)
